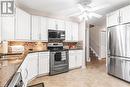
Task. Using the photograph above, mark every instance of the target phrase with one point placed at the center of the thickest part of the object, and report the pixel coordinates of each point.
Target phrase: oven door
(59, 58)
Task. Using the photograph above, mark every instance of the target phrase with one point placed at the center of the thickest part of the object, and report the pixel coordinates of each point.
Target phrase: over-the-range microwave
(56, 35)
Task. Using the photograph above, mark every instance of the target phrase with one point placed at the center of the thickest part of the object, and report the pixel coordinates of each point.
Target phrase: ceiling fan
(87, 10)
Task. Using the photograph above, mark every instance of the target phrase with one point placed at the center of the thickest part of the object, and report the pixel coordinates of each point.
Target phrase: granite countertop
(9, 66)
(10, 63)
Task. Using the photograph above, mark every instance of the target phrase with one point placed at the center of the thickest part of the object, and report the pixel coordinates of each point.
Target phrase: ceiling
(67, 7)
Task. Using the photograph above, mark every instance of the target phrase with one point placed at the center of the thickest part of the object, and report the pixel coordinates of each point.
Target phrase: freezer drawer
(127, 71)
(116, 66)
(111, 66)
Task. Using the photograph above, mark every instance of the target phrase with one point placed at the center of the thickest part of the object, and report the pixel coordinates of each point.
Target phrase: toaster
(16, 49)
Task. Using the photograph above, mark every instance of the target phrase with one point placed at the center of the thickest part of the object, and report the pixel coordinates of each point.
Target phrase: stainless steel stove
(58, 58)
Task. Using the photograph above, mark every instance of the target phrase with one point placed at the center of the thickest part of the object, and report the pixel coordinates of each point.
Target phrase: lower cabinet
(43, 63)
(75, 59)
(38, 64)
(32, 65)
(29, 68)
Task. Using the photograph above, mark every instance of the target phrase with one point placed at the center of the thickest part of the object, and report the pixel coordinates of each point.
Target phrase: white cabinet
(120, 16)
(7, 26)
(43, 63)
(75, 59)
(71, 31)
(22, 31)
(39, 29)
(60, 25)
(113, 18)
(35, 26)
(125, 15)
(68, 31)
(24, 71)
(72, 61)
(55, 24)
(51, 24)
(79, 58)
(0, 28)
(29, 67)
(32, 65)
(44, 30)
(75, 31)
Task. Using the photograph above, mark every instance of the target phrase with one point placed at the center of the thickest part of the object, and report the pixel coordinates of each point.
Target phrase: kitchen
(36, 44)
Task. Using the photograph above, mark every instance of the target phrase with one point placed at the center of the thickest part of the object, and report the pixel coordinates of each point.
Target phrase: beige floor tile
(93, 76)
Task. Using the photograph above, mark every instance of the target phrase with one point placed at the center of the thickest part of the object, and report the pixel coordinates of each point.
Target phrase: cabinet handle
(26, 73)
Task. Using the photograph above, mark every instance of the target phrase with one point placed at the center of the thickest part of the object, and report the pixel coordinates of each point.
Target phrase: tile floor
(93, 76)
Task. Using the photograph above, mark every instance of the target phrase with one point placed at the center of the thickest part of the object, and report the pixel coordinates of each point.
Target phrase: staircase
(93, 56)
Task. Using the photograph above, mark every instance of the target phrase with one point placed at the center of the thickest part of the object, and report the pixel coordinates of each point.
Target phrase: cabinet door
(0, 28)
(68, 31)
(24, 71)
(60, 25)
(44, 30)
(113, 18)
(44, 63)
(35, 35)
(32, 65)
(72, 59)
(51, 24)
(79, 58)
(8, 28)
(75, 31)
(22, 25)
(125, 15)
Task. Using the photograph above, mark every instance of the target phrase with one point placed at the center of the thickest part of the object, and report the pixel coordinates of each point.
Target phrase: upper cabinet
(60, 25)
(113, 18)
(38, 28)
(71, 31)
(43, 30)
(68, 31)
(35, 27)
(75, 31)
(51, 24)
(120, 16)
(55, 24)
(125, 15)
(22, 31)
(23, 26)
(7, 28)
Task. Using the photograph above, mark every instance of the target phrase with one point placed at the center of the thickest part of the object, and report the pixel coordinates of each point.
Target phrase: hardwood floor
(93, 76)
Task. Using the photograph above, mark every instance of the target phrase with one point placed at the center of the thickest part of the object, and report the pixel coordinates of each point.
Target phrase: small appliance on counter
(16, 49)
(4, 47)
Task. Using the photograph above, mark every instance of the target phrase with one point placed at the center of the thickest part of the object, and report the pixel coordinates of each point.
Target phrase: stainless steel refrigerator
(118, 50)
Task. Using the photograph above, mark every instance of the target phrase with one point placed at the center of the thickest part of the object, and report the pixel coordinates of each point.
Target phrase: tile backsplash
(30, 45)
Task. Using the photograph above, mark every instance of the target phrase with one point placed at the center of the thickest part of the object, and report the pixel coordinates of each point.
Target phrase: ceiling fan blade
(99, 7)
(95, 15)
(81, 7)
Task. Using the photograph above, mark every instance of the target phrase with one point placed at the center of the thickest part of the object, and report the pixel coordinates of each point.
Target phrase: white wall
(98, 40)
(82, 38)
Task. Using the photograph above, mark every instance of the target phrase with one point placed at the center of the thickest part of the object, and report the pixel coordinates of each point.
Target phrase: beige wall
(97, 40)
